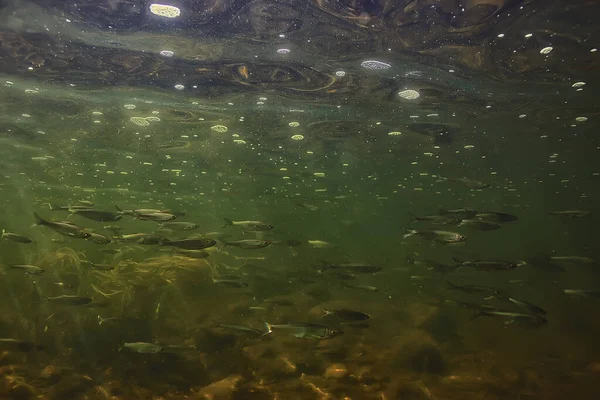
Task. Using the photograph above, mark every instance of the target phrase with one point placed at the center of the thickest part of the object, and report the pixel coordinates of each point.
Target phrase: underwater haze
(299, 199)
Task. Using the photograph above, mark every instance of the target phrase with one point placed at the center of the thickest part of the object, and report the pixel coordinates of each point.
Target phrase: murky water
(325, 131)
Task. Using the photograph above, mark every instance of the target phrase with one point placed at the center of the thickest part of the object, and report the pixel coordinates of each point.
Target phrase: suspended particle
(179, 87)
(298, 137)
(340, 74)
(294, 124)
(163, 10)
(375, 65)
(409, 94)
(578, 84)
(283, 51)
(546, 50)
(581, 119)
(219, 128)
(141, 121)
(166, 53)
(395, 133)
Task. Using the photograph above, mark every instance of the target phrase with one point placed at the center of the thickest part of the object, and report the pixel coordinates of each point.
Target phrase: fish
(528, 306)
(346, 315)
(115, 229)
(489, 265)
(365, 288)
(159, 216)
(471, 183)
(70, 300)
(256, 226)
(304, 331)
(320, 244)
(438, 236)
(353, 268)
(28, 269)
(179, 225)
(99, 267)
(495, 216)
(193, 253)
(86, 203)
(513, 317)
(287, 242)
(142, 347)
(479, 224)
(110, 251)
(574, 259)
(63, 227)
(438, 219)
(55, 207)
(14, 237)
(310, 207)
(572, 213)
(585, 293)
(189, 244)
(140, 238)
(96, 215)
(18, 345)
(231, 282)
(439, 267)
(241, 328)
(248, 243)
(98, 238)
(140, 211)
(473, 289)
(459, 213)
(544, 263)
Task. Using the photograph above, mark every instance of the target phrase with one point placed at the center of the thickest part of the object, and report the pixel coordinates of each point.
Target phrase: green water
(90, 113)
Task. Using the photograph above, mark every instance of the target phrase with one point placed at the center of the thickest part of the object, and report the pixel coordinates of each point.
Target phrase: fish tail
(118, 208)
(457, 260)
(268, 328)
(327, 312)
(409, 233)
(452, 285)
(39, 220)
(54, 207)
(228, 222)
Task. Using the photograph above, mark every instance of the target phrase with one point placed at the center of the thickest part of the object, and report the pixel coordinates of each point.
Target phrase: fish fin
(326, 312)
(3, 232)
(228, 222)
(409, 233)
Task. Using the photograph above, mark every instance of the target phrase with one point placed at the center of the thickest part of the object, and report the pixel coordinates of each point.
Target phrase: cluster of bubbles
(163, 10)
(166, 53)
(375, 65)
(409, 94)
(219, 128)
(144, 121)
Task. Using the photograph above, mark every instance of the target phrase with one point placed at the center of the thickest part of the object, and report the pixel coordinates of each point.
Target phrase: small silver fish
(14, 237)
(143, 347)
(256, 226)
(28, 269)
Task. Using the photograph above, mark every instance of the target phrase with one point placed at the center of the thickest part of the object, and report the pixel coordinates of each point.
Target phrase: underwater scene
(299, 199)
